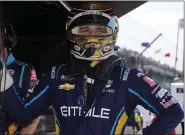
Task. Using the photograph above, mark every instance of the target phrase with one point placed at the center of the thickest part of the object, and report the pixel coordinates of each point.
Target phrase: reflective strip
(35, 98)
(21, 77)
(116, 121)
(121, 123)
(149, 105)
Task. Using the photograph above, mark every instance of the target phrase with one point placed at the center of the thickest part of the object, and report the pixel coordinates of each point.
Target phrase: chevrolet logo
(66, 86)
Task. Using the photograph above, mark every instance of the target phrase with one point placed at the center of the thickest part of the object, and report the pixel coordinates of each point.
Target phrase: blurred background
(159, 23)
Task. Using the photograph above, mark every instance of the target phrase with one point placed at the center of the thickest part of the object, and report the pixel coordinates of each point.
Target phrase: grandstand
(161, 73)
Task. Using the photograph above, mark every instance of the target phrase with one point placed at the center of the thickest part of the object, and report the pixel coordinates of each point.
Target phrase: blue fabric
(10, 59)
(102, 114)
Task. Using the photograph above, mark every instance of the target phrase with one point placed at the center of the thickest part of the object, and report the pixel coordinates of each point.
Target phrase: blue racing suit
(110, 103)
(25, 79)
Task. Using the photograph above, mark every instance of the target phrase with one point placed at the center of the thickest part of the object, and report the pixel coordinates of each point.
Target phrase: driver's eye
(83, 30)
(92, 31)
(102, 31)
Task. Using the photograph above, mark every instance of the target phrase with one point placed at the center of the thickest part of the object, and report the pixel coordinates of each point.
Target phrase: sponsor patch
(161, 93)
(125, 76)
(71, 111)
(108, 90)
(90, 80)
(149, 81)
(66, 78)
(169, 103)
(154, 90)
(11, 72)
(140, 74)
(66, 86)
(109, 84)
(33, 84)
(53, 72)
(81, 101)
(33, 75)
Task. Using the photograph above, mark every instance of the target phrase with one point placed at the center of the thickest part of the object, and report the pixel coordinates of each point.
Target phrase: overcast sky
(146, 22)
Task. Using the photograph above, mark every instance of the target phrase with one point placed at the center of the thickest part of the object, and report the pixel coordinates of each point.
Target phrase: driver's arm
(156, 99)
(22, 112)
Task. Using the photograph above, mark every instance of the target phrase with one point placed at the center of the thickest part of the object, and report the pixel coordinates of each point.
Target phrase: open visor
(92, 25)
(93, 41)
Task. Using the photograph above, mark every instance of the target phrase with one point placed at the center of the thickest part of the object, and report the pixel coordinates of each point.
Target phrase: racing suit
(105, 109)
(25, 79)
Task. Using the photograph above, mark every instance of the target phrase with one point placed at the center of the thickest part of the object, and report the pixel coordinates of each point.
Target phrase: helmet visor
(92, 25)
(86, 42)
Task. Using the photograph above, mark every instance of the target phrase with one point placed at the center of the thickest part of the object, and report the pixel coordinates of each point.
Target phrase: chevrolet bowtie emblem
(66, 86)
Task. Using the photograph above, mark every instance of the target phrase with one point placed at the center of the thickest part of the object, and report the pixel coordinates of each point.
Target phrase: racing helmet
(92, 31)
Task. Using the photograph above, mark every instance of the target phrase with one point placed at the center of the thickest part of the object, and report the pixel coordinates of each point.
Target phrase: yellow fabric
(12, 128)
(97, 53)
(92, 39)
(137, 117)
(94, 63)
(57, 130)
(121, 123)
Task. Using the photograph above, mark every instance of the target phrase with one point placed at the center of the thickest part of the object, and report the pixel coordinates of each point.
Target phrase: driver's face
(92, 30)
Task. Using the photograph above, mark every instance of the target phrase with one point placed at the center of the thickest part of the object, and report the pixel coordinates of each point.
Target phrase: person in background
(134, 124)
(24, 77)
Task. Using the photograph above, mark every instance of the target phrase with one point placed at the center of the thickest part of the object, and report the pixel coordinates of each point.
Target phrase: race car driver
(24, 77)
(94, 93)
